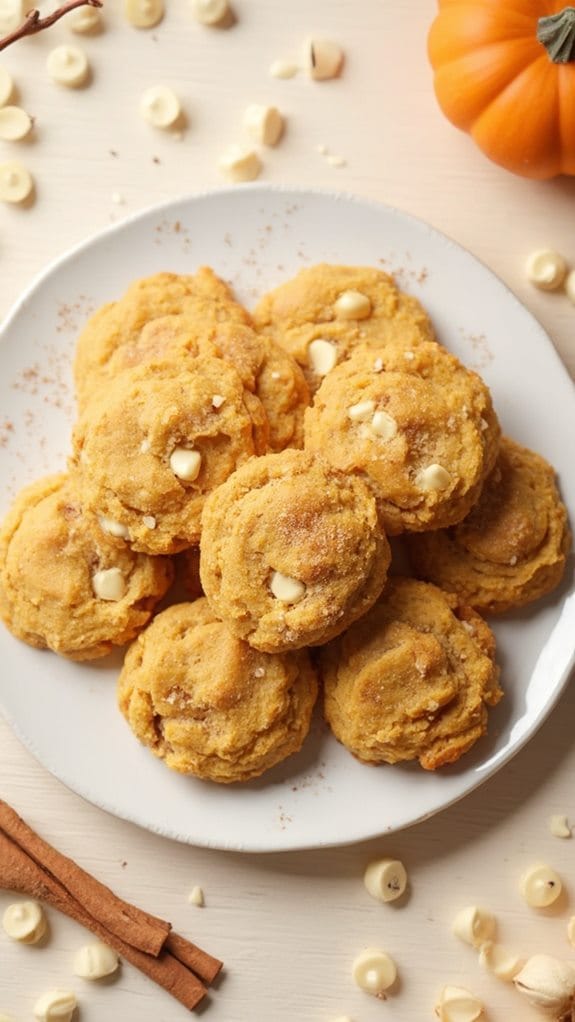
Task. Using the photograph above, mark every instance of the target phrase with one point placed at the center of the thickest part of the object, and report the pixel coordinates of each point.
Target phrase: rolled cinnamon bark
(139, 929)
(20, 872)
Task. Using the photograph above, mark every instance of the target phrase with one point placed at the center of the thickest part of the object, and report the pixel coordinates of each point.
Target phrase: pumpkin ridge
(535, 151)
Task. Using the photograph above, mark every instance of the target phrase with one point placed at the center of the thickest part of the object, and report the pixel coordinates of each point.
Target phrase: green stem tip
(556, 32)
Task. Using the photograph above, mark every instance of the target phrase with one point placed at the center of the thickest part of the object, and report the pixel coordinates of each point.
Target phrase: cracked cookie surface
(209, 705)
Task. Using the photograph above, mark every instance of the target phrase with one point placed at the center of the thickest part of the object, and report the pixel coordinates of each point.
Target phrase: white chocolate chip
(474, 925)
(571, 931)
(55, 1006)
(143, 13)
(322, 59)
(68, 65)
(24, 921)
(499, 960)
(275, 375)
(109, 584)
(118, 199)
(559, 826)
(12, 14)
(94, 961)
(186, 463)
(149, 521)
(361, 411)
(336, 161)
(196, 897)
(210, 12)
(16, 182)
(546, 268)
(264, 124)
(286, 589)
(409, 355)
(6, 86)
(540, 886)
(322, 356)
(283, 69)
(239, 164)
(434, 477)
(547, 983)
(385, 879)
(85, 21)
(378, 365)
(383, 425)
(160, 106)
(15, 123)
(570, 286)
(456, 1004)
(113, 528)
(352, 305)
(217, 401)
(374, 971)
(145, 446)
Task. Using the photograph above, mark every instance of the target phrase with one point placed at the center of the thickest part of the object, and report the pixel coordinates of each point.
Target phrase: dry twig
(34, 23)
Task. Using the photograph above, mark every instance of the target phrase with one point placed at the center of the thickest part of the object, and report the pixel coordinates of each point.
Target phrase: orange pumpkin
(505, 73)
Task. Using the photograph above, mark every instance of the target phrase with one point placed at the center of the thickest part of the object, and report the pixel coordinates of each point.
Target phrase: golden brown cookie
(412, 679)
(291, 551)
(325, 311)
(512, 547)
(422, 432)
(207, 704)
(206, 301)
(152, 444)
(65, 584)
(284, 394)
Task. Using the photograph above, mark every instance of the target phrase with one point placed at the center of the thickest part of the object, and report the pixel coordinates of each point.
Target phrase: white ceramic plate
(256, 237)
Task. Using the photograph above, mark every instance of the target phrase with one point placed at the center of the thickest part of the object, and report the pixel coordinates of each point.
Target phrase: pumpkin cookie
(153, 443)
(207, 704)
(512, 547)
(412, 679)
(206, 301)
(324, 312)
(291, 551)
(64, 583)
(422, 432)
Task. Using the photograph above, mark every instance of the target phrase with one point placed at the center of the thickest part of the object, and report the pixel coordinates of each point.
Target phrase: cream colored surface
(289, 925)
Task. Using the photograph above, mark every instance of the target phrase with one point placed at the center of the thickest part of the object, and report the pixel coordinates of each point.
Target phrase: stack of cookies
(270, 457)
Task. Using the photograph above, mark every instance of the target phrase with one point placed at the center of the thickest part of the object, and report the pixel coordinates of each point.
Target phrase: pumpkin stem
(557, 34)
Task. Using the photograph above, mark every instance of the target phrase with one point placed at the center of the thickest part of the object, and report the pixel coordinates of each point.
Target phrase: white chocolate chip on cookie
(433, 478)
(286, 589)
(186, 463)
(113, 528)
(322, 356)
(383, 425)
(361, 411)
(352, 305)
(109, 584)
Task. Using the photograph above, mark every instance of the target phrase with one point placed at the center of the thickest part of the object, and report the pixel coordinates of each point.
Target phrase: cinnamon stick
(140, 929)
(194, 958)
(20, 872)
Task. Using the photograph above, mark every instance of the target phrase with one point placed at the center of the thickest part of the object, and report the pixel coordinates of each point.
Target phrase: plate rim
(157, 209)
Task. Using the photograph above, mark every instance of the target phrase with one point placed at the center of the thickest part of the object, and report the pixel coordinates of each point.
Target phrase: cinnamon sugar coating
(124, 441)
(207, 703)
(291, 514)
(512, 548)
(439, 439)
(411, 680)
(50, 550)
(304, 309)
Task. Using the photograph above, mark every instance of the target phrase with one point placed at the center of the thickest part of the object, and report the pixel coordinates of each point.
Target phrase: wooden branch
(34, 23)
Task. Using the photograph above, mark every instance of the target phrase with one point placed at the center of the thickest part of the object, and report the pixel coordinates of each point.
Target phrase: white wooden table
(289, 925)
